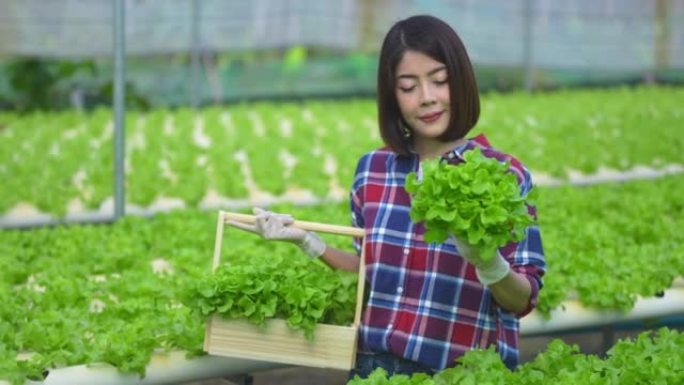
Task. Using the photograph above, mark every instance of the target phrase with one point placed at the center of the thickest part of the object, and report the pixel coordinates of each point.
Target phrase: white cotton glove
(273, 226)
(488, 272)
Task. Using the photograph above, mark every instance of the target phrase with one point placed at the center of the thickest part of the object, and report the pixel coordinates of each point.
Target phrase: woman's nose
(427, 95)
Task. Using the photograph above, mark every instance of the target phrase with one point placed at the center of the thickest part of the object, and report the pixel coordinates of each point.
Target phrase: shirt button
(400, 290)
(406, 251)
(389, 326)
(451, 155)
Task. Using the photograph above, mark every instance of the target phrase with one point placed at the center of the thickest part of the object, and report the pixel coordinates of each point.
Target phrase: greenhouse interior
(136, 133)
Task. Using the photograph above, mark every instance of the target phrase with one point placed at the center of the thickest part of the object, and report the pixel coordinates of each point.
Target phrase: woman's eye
(407, 89)
(440, 82)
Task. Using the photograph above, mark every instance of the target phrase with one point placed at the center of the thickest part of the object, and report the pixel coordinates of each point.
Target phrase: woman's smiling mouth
(431, 117)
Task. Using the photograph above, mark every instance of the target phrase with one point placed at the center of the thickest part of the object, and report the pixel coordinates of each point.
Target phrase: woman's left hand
(488, 272)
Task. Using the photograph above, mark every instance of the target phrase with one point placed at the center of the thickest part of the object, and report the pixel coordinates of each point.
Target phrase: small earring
(404, 130)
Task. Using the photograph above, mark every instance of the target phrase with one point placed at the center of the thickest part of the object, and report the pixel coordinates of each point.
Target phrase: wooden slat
(361, 285)
(333, 346)
(219, 239)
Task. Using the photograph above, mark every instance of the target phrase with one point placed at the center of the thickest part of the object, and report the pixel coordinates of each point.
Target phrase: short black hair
(436, 39)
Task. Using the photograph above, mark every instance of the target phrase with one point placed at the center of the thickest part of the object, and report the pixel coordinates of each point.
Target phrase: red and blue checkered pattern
(425, 302)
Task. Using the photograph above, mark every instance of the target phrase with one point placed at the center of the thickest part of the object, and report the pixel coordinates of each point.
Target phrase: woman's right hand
(274, 226)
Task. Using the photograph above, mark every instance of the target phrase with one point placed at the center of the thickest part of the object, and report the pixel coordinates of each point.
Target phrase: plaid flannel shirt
(425, 302)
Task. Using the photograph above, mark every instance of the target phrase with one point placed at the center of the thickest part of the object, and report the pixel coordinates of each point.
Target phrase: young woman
(428, 303)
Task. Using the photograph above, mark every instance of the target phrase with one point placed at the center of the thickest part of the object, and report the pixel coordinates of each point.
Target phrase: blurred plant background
(57, 54)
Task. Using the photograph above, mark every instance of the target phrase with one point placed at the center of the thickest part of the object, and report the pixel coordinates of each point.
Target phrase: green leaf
(478, 200)
(247, 306)
(437, 235)
(493, 215)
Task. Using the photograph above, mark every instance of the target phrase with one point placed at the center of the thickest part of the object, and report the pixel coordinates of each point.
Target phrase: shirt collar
(457, 152)
(411, 160)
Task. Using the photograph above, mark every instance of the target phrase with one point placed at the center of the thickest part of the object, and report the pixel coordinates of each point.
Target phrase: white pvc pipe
(573, 316)
(164, 368)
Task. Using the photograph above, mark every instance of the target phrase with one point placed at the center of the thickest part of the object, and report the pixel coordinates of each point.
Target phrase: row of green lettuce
(116, 293)
(651, 358)
(49, 159)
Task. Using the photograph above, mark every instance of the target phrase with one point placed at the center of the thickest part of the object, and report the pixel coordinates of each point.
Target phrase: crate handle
(225, 216)
(304, 225)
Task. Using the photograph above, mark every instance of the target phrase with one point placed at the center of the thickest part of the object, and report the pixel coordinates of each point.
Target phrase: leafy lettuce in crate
(257, 286)
(478, 201)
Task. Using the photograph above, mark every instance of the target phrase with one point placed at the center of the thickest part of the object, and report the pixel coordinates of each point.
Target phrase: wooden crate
(332, 347)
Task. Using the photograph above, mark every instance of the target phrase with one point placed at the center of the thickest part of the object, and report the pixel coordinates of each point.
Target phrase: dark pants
(367, 363)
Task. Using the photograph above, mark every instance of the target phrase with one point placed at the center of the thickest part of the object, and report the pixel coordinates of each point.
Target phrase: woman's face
(422, 91)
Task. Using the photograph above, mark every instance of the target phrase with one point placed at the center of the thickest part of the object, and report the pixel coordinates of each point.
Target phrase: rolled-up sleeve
(527, 256)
